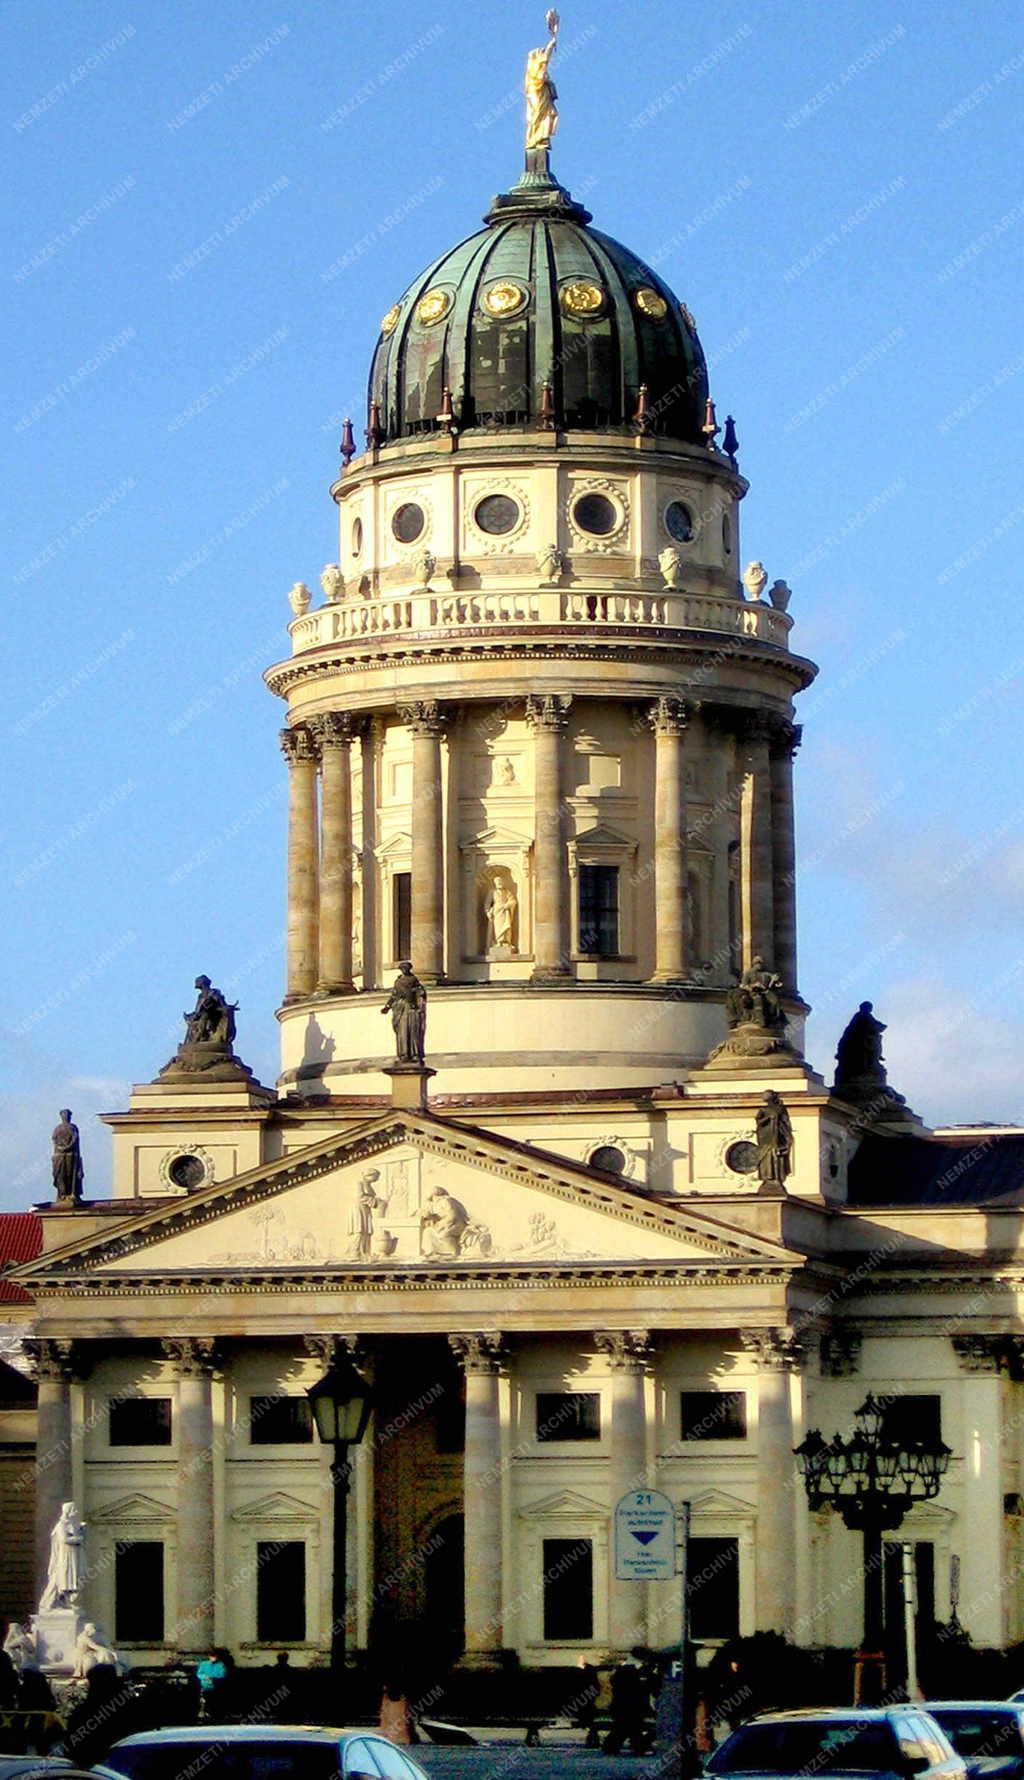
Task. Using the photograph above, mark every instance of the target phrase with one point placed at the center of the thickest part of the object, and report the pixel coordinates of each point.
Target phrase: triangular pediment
(567, 1502)
(603, 835)
(398, 846)
(718, 1504)
(134, 1510)
(409, 1192)
(278, 1507)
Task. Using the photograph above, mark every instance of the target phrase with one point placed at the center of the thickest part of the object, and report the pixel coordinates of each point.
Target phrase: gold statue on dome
(541, 94)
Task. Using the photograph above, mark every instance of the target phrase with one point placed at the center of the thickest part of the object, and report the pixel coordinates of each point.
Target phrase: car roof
(974, 1705)
(865, 1713)
(247, 1733)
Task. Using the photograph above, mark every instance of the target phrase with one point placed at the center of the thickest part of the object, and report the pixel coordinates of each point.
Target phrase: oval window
(609, 1157)
(357, 537)
(187, 1172)
(741, 1157)
(496, 514)
(679, 522)
(408, 522)
(596, 514)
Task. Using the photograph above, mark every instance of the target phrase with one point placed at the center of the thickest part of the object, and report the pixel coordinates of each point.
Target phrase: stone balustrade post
(333, 732)
(195, 1361)
(480, 1357)
(668, 720)
(547, 718)
(303, 864)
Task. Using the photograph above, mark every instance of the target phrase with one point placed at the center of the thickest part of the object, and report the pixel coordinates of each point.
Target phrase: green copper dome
(538, 298)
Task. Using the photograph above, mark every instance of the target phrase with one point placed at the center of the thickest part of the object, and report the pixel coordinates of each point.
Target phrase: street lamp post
(341, 1403)
(871, 1481)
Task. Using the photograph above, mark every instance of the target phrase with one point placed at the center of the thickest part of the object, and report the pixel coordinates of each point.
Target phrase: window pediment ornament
(135, 1510)
(276, 1509)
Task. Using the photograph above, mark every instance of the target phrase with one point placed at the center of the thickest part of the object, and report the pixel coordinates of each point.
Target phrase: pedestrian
(211, 1675)
(106, 1714)
(629, 1709)
(585, 1702)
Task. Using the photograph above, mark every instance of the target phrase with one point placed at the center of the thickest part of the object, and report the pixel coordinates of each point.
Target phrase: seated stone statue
(91, 1648)
(756, 999)
(212, 1020)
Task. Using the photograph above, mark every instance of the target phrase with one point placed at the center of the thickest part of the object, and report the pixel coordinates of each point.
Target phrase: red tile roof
(21, 1238)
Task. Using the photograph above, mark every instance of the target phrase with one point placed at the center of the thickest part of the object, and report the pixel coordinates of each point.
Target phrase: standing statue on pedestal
(64, 1572)
(407, 1005)
(859, 1051)
(541, 94)
(774, 1141)
(500, 910)
(67, 1159)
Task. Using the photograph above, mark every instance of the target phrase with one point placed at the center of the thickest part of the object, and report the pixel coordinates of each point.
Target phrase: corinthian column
(779, 1353)
(53, 1367)
(756, 861)
(303, 888)
(785, 743)
(480, 1357)
(195, 1360)
(427, 941)
(547, 719)
(628, 1352)
(668, 720)
(334, 734)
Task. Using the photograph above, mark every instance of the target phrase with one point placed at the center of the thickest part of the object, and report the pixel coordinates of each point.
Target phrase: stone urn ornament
(299, 599)
(780, 593)
(332, 582)
(755, 580)
(550, 564)
(671, 565)
(423, 568)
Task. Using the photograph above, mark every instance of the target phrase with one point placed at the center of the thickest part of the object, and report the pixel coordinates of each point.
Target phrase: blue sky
(210, 208)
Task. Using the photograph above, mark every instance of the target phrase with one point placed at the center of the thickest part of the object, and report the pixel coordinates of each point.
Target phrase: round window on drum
(596, 514)
(408, 522)
(497, 514)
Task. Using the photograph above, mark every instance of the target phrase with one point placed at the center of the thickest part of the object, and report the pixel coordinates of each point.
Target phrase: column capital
(425, 717)
(757, 728)
(786, 738)
(193, 1356)
(668, 716)
(52, 1360)
(478, 1354)
(550, 712)
(327, 1348)
(298, 745)
(332, 729)
(839, 1351)
(984, 1352)
(779, 1349)
(626, 1350)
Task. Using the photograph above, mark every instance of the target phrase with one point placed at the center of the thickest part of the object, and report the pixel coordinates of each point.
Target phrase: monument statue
(859, 1051)
(20, 1645)
(407, 1005)
(64, 1572)
(443, 1225)
(67, 1159)
(774, 1141)
(541, 95)
(91, 1649)
(212, 1020)
(360, 1223)
(500, 909)
(756, 999)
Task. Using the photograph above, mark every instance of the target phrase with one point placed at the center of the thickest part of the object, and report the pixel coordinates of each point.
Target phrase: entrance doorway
(443, 1585)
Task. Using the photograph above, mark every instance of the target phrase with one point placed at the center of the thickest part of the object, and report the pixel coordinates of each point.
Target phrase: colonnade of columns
(321, 844)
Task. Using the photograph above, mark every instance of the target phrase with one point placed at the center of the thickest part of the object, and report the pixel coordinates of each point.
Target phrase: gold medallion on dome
(433, 306)
(651, 302)
(582, 298)
(504, 298)
(390, 320)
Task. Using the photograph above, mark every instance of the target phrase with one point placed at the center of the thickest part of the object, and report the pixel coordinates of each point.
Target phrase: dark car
(892, 1742)
(259, 1752)
(989, 1734)
(40, 1767)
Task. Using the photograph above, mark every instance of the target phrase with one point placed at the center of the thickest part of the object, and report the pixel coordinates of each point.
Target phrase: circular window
(726, 535)
(408, 522)
(651, 302)
(187, 1172)
(505, 298)
(679, 522)
(596, 514)
(433, 306)
(357, 536)
(390, 320)
(582, 298)
(496, 514)
(741, 1157)
(609, 1157)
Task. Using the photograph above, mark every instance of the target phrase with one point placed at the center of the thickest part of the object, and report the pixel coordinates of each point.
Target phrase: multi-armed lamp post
(871, 1481)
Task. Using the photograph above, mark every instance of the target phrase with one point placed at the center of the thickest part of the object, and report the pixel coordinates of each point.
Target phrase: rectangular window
(599, 910)
(913, 1418)
(401, 915)
(279, 1421)
(568, 1588)
(139, 1591)
(713, 1415)
(568, 1415)
(280, 1591)
(140, 1421)
(713, 1587)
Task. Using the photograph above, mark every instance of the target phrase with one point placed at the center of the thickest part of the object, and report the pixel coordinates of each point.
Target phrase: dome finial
(541, 109)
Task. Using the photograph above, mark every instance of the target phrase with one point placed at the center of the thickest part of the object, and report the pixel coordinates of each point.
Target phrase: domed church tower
(539, 741)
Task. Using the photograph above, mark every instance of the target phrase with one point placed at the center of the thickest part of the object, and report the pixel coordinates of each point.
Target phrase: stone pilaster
(672, 941)
(984, 1360)
(628, 1353)
(757, 913)
(779, 1353)
(547, 718)
(303, 864)
(195, 1360)
(784, 745)
(333, 732)
(371, 743)
(426, 724)
(53, 1366)
(480, 1357)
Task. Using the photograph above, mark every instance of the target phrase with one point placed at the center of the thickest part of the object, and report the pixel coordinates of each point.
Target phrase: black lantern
(342, 1404)
(871, 1481)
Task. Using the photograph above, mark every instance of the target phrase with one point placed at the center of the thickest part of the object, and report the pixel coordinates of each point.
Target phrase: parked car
(40, 1767)
(891, 1742)
(989, 1734)
(258, 1752)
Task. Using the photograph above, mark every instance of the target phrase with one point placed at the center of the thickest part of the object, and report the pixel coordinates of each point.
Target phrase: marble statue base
(211, 1061)
(759, 1045)
(56, 1633)
(409, 1085)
